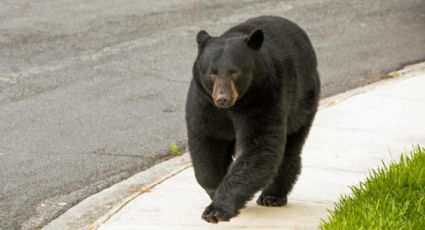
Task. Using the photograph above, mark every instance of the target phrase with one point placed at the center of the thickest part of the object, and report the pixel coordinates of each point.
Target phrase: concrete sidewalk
(352, 133)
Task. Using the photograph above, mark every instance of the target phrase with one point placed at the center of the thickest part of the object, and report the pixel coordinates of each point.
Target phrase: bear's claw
(214, 214)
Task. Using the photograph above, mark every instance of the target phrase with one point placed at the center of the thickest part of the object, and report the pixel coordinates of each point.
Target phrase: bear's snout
(224, 93)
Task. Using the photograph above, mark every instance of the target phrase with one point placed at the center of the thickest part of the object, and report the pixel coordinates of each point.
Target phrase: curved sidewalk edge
(96, 209)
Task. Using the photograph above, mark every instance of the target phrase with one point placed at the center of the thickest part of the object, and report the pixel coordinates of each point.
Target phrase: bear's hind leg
(276, 193)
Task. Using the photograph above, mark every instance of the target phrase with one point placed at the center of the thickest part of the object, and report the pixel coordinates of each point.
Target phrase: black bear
(251, 103)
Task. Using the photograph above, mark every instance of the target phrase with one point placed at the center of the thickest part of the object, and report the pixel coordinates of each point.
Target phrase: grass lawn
(392, 197)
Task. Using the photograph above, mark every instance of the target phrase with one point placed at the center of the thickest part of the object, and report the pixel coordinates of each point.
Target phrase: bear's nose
(222, 100)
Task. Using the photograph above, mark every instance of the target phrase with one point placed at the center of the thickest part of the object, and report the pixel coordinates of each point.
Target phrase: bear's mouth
(223, 105)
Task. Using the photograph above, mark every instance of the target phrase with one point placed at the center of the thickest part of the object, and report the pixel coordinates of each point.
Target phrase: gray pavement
(350, 136)
(92, 92)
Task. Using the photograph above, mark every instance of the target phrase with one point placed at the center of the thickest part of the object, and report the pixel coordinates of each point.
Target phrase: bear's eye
(211, 77)
(212, 72)
(234, 73)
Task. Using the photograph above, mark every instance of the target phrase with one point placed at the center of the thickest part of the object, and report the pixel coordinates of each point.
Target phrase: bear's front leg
(261, 141)
(210, 159)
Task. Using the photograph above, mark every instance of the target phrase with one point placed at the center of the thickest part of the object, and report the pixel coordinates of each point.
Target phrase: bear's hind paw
(271, 201)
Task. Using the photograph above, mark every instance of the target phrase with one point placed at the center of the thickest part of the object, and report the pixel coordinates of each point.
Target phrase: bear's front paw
(270, 200)
(214, 214)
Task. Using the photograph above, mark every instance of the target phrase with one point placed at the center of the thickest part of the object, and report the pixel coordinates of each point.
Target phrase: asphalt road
(92, 92)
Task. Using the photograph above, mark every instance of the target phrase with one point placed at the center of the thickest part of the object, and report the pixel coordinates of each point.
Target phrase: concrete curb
(98, 208)
(405, 73)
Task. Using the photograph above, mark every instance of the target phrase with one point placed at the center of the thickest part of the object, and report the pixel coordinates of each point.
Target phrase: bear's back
(282, 38)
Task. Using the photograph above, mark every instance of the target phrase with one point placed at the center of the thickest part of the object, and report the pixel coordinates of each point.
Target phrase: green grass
(174, 149)
(394, 74)
(392, 197)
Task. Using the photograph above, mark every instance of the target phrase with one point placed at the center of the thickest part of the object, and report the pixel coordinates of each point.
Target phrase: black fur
(267, 126)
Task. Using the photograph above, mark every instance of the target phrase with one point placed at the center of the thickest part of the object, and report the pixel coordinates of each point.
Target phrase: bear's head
(226, 65)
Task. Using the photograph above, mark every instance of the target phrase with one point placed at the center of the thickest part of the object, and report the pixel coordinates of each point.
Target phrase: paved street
(92, 92)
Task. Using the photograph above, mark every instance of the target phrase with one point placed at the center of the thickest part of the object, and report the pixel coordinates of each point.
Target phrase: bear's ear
(255, 39)
(202, 37)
